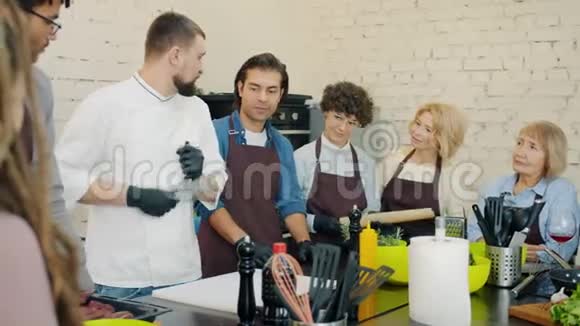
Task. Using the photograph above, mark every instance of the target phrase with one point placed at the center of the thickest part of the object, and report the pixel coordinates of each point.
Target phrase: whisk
(286, 271)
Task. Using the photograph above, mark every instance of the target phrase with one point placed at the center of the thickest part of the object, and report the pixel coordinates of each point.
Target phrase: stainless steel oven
(292, 118)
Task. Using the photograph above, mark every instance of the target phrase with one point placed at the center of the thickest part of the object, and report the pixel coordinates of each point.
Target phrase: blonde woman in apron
(414, 176)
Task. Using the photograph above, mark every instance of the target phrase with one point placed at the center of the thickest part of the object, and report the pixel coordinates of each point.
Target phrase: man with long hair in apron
(262, 191)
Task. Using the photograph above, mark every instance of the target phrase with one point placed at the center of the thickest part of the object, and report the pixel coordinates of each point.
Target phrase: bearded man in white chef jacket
(124, 154)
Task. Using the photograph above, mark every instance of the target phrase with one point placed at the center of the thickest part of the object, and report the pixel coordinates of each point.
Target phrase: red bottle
(274, 312)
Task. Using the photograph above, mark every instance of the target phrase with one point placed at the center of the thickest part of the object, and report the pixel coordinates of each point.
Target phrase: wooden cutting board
(537, 313)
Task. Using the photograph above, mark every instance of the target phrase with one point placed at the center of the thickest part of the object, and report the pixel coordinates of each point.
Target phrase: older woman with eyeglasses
(538, 160)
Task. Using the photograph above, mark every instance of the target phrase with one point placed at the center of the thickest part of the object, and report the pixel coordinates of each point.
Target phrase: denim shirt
(288, 200)
(560, 197)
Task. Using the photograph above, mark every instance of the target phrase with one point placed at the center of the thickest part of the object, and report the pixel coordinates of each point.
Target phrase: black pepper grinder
(246, 298)
(354, 228)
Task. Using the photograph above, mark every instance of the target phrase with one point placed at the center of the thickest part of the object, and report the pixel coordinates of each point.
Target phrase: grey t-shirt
(61, 217)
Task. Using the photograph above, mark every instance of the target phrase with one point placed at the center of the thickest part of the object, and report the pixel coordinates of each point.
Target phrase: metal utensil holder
(506, 265)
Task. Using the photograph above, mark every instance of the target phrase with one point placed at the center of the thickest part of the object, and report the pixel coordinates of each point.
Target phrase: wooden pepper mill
(246, 297)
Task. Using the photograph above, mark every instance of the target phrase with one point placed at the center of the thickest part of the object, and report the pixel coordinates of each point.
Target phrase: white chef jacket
(129, 133)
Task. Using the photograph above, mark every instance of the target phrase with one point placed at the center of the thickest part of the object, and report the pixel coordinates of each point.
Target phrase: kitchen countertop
(489, 306)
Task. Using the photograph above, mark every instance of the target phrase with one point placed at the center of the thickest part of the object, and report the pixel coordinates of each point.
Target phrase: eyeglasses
(54, 25)
(350, 123)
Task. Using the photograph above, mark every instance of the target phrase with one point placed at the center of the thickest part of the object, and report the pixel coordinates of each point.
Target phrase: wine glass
(562, 227)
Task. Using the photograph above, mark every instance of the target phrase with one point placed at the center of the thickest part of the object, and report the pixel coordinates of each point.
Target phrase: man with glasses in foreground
(49, 21)
(40, 17)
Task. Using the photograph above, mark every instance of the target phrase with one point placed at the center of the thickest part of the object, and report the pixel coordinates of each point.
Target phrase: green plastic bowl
(117, 322)
(478, 273)
(397, 258)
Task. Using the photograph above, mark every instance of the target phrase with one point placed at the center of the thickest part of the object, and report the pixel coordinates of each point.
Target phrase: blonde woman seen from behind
(38, 283)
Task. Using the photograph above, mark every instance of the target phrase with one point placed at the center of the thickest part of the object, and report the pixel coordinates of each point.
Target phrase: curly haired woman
(333, 174)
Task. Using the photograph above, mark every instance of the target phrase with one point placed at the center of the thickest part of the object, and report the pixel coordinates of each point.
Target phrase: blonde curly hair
(449, 127)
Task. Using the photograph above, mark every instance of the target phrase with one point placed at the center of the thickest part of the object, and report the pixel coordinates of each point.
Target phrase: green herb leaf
(567, 312)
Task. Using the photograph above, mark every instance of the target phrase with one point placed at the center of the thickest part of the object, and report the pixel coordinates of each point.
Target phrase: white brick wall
(102, 42)
(506, 62)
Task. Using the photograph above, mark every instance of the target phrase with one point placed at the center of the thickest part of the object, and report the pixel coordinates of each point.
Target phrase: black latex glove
(347, 245)
(191, 160)
(327, 225)
(305, 251)
(262, 252)
(154, 202)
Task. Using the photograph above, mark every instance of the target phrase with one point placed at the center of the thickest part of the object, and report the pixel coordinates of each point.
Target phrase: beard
(187, 89)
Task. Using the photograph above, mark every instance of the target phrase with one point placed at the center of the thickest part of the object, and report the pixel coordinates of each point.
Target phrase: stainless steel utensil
(558, 259)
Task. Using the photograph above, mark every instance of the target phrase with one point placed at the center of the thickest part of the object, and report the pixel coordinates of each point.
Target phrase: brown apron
(334, 195)
(534, 236)
(401, 194)
(250, 201)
